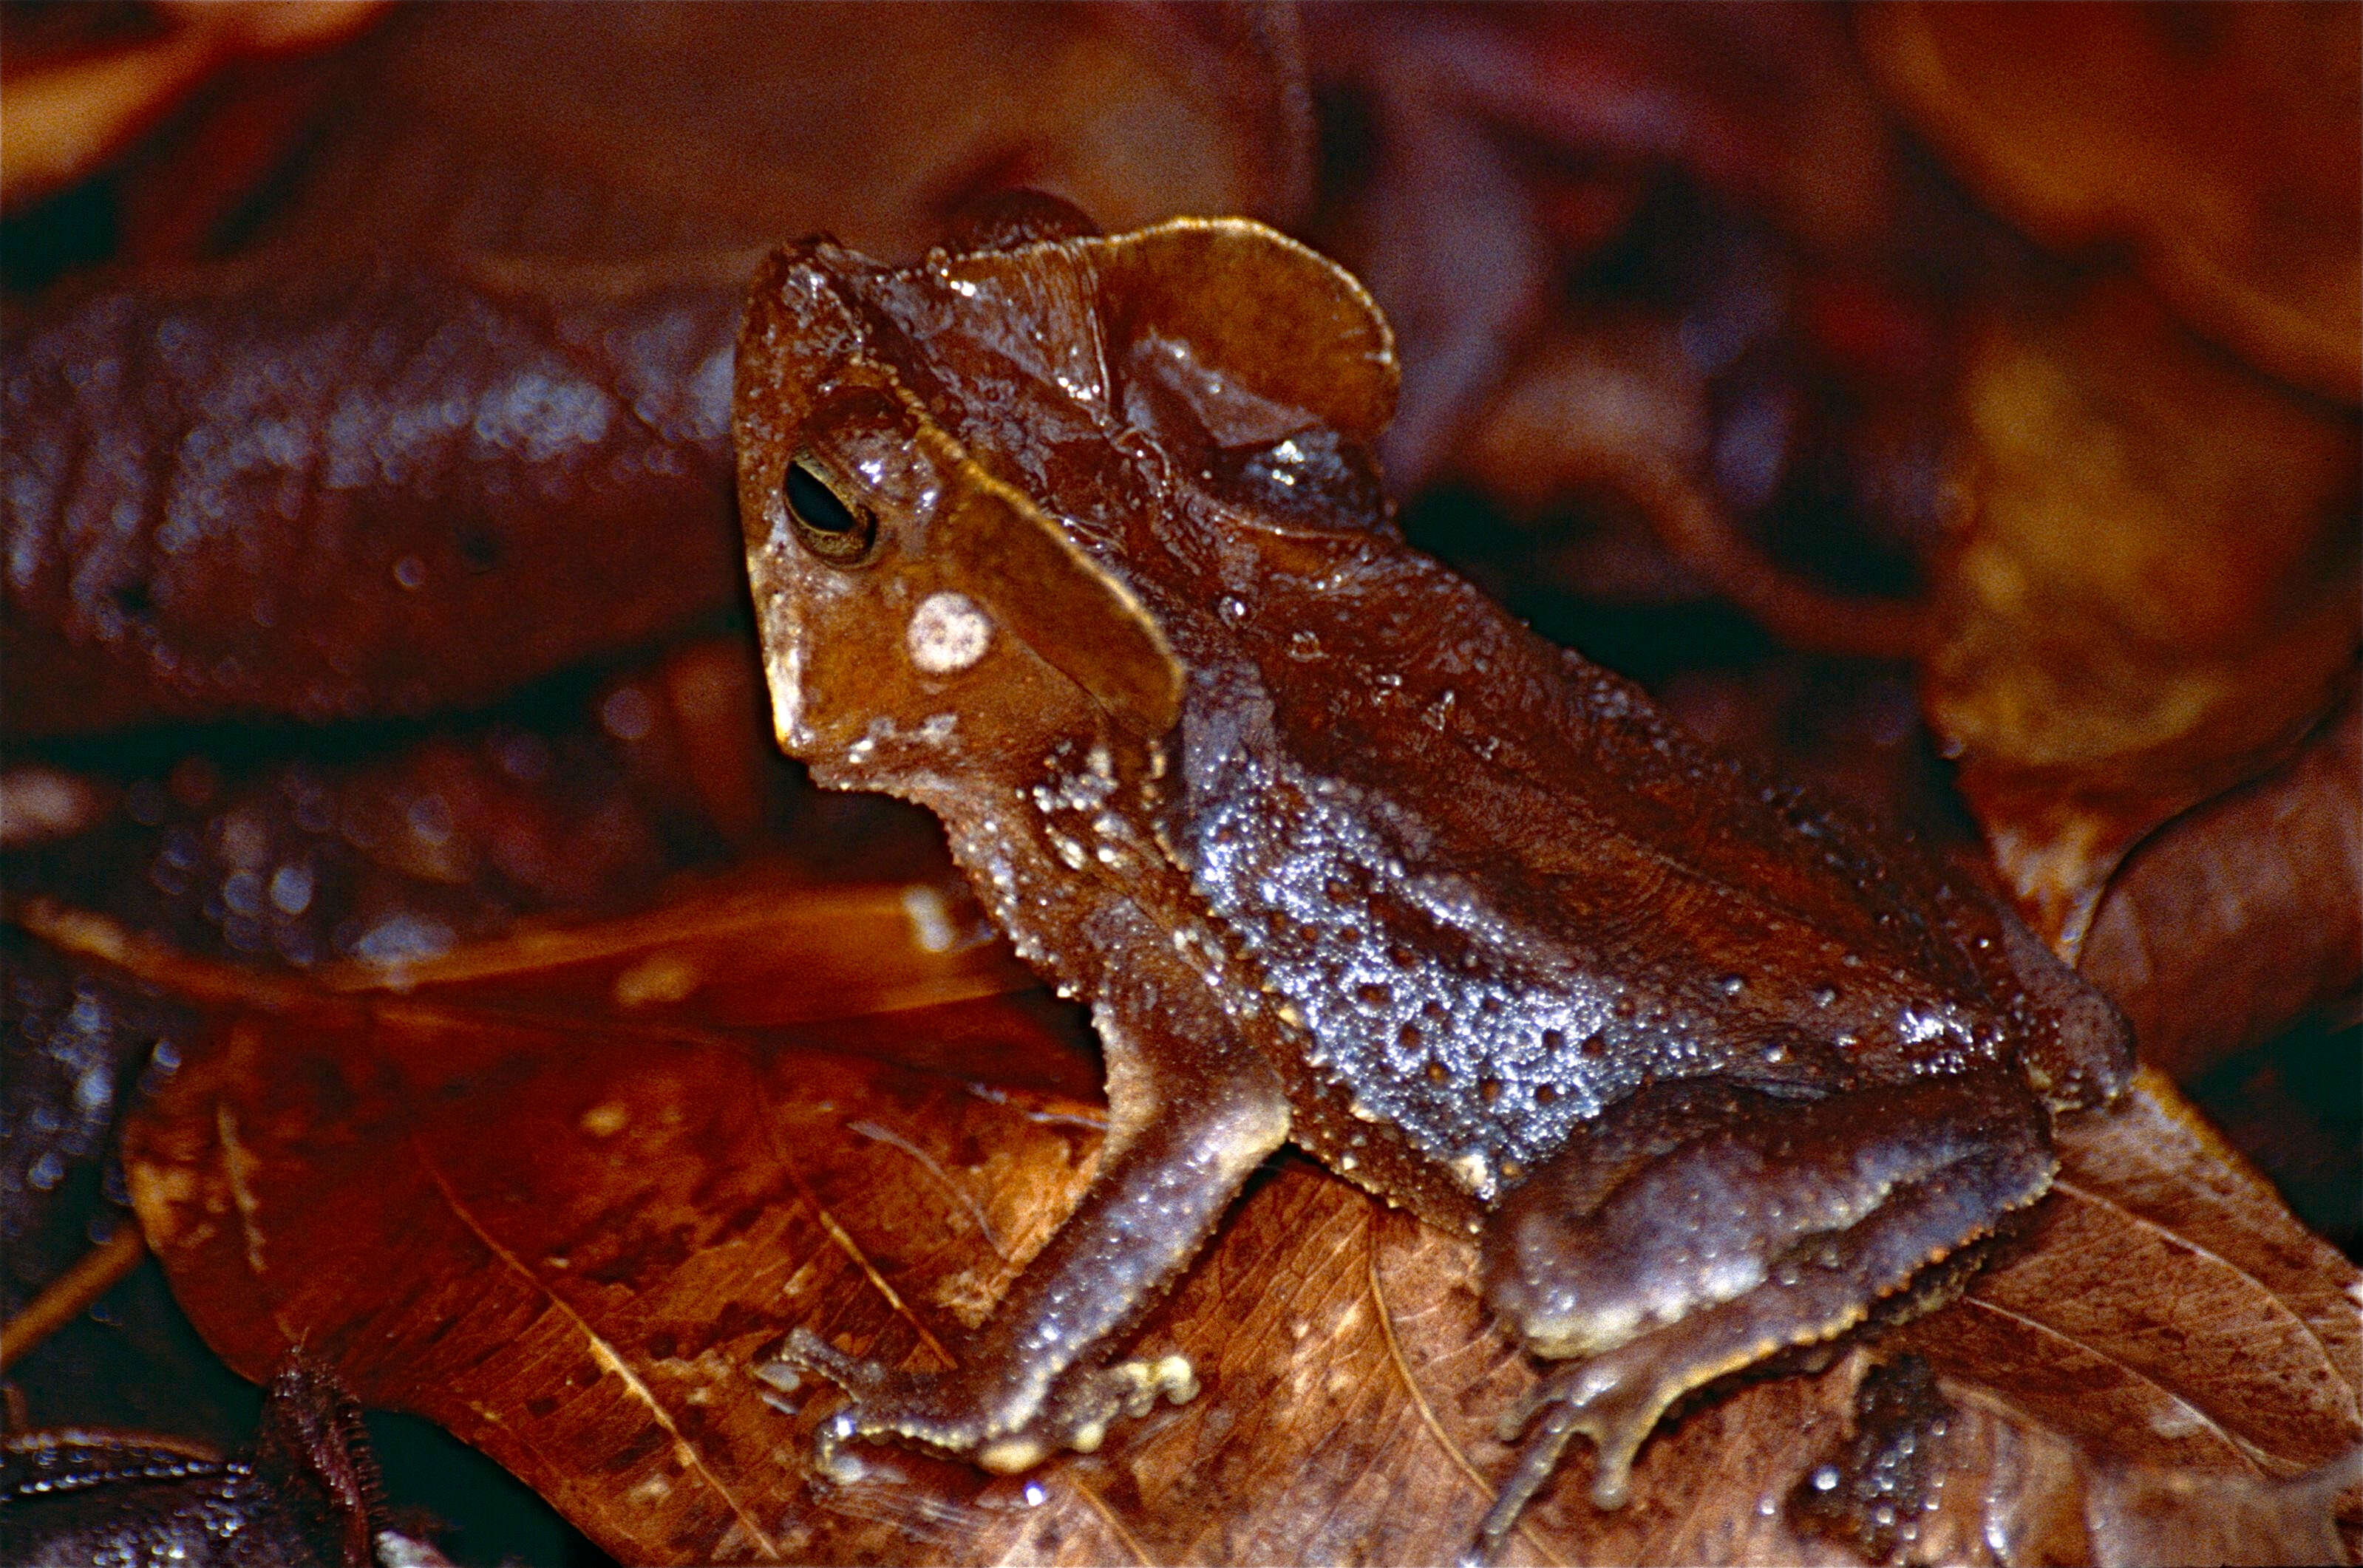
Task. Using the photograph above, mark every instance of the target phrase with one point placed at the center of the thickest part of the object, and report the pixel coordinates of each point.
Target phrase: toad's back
(1503, 892)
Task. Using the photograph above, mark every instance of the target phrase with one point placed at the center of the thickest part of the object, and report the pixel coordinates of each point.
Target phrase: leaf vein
(602, 1352)
(2231, 1439)
(2089, 1195)
(1426, 1412)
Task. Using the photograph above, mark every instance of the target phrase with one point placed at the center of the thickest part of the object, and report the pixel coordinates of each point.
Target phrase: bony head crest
(1273, 316)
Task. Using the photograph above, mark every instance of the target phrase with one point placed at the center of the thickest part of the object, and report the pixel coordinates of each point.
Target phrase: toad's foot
(1035, 1377)
(1001, 1428)
(1712, 1226)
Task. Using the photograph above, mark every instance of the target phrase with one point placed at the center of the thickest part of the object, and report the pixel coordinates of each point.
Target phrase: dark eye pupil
(815, 505)
(828, 528)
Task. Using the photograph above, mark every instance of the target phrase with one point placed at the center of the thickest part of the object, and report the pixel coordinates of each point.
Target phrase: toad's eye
(827, 526)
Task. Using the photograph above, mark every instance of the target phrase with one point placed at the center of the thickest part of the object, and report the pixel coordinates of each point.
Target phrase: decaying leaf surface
(2241, 914)
(1615, 413)
(372, 488)
(649, 133)
(570, 1246)
(2166, 1309)
(393, 848)
(581, 1236)
(743, 124)
(2153, 596)
(2221, 141)
(1502, 146)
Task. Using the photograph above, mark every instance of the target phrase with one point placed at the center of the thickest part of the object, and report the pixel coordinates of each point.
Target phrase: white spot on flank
(1727, 1279)
(947, 633)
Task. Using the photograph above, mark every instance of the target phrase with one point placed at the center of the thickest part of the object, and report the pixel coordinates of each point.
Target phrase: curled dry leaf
(2153, 597)
(1581, 398)
(378, 489)
(1436, 225)
(2221, 141)
(1616, 412)
(744, 123)
(397, 847)
(757, 948)
(510, 1184)
(2241, 914)
(569, 1245)
(1492, 148)
(2166, 1313)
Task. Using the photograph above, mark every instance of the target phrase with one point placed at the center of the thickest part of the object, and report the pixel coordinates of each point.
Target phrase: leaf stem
(96, 1272)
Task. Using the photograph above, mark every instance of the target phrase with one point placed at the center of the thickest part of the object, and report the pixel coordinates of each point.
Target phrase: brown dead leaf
(1616, 411)
(1491, 149)
(567, 1243)
(2168, 1316)
(2164, 1308)
(392, 847)
(2221, 141)
(2241, 914)
(368, 488)
(2153, 597)
(759, 948)
(652, 131)
(567, 1238)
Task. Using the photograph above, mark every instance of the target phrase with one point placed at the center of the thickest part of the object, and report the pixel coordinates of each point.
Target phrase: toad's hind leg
(1188, 1127)
(1710, 1226)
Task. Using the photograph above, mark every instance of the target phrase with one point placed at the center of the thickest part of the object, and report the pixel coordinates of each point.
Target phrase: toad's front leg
(1190, 1122)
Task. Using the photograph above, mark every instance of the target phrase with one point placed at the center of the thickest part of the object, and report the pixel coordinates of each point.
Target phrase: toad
(1077, 541)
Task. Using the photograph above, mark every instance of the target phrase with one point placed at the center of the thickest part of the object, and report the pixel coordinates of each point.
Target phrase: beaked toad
(1076, 540)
